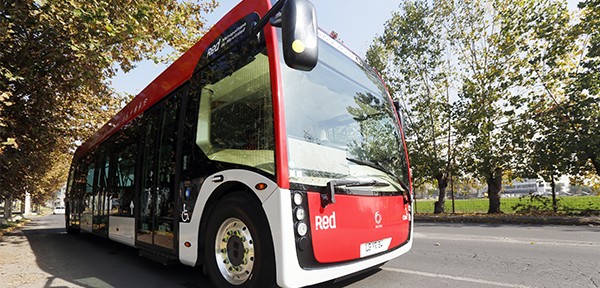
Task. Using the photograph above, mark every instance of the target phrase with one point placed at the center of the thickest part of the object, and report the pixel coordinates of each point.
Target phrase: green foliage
(485, 36)
(56, 59)
(534, 204)
(582, 104)
(538, 204)
(589, 29)
(410, 57)
(556, 113)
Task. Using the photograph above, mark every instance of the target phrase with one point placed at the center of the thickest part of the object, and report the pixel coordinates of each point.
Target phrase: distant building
(536, 187)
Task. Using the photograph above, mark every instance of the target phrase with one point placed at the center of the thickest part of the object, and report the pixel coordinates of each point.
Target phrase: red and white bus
(268, 153)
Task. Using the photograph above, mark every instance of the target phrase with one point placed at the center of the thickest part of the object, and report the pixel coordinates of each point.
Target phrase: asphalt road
(476, 255)
(443, 255)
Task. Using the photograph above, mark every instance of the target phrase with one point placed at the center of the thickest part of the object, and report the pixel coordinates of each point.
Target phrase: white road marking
(456, 237)
(456, 278)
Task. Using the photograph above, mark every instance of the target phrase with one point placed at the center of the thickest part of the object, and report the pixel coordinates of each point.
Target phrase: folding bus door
(101, 205)
(156, 221)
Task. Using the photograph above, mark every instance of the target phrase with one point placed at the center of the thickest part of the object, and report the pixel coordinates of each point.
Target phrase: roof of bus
(175, 75)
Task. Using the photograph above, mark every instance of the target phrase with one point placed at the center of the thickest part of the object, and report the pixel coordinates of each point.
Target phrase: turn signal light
(260, 186)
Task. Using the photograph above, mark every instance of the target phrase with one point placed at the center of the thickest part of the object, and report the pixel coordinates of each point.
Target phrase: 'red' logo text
(325, 222)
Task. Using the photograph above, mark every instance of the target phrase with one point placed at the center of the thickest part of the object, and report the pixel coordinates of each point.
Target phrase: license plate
(371, 248)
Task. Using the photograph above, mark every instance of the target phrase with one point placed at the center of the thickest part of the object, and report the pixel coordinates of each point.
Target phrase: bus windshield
(340, 122)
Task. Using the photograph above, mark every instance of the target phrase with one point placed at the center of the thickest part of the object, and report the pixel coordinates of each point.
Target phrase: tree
(410, 56)
(550, 53)
(564, 113)
(510, 50)
(56, 59)
(498, 55)
(582, 104)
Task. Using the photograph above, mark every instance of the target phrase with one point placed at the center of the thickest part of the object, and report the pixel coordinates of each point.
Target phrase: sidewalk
(509, 219)
(20, 263)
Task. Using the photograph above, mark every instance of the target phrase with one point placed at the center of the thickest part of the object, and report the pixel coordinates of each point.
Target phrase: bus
(268, 154)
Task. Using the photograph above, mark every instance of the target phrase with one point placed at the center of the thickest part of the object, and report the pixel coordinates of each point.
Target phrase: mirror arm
(263, 22)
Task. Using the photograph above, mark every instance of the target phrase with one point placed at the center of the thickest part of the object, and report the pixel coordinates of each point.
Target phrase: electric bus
(268, 153)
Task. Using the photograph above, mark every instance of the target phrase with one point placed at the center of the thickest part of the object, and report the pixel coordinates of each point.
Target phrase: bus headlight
(301, 229)
(298, 198)
(300, 214)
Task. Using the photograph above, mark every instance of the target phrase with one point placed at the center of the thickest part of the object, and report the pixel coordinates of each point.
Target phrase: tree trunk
(8, 208)
(595, 163)
(494, 183)
(554, 203)
(442, 185)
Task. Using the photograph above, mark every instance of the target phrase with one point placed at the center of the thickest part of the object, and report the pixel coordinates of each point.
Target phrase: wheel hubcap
(234, 251)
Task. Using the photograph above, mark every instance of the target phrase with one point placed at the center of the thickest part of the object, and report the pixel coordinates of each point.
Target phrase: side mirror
(299, 34)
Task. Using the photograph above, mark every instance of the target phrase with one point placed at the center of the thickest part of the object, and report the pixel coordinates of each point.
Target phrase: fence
(571, 205)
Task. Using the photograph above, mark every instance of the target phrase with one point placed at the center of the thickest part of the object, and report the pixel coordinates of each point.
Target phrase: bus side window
(89, 187)
(123, 191)
(235, 115)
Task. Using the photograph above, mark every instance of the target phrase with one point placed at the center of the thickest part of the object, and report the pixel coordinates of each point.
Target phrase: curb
(509, 219)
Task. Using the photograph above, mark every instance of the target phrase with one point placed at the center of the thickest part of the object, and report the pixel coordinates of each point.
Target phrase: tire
(238, 248)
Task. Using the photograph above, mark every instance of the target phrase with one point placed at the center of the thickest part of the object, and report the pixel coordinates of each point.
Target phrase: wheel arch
(241, 207)
(225, 190)
(211, 192)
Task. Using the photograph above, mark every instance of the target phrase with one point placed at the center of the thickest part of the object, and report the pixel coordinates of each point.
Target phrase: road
(443, 255)
(475, 255)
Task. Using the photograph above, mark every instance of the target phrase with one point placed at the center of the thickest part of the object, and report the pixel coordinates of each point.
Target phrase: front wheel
(237, 253)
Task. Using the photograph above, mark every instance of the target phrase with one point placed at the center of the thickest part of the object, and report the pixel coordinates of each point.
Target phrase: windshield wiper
(358, 183)
(379, 167)
(329, 196)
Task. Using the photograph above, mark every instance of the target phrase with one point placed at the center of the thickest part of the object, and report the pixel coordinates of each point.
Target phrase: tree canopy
(524, 82)
(410, 55)
(56, 61)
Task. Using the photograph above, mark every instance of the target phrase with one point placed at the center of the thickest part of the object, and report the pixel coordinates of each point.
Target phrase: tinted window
(235, 119)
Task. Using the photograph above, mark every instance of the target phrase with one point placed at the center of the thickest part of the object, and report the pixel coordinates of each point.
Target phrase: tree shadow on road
(87, 260)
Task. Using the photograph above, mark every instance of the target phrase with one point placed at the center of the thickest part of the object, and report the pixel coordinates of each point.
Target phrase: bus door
(155, 216)
(100, 218)
(88, 198)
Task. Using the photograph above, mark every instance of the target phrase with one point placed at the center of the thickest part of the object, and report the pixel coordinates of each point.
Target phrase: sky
(356, 23)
